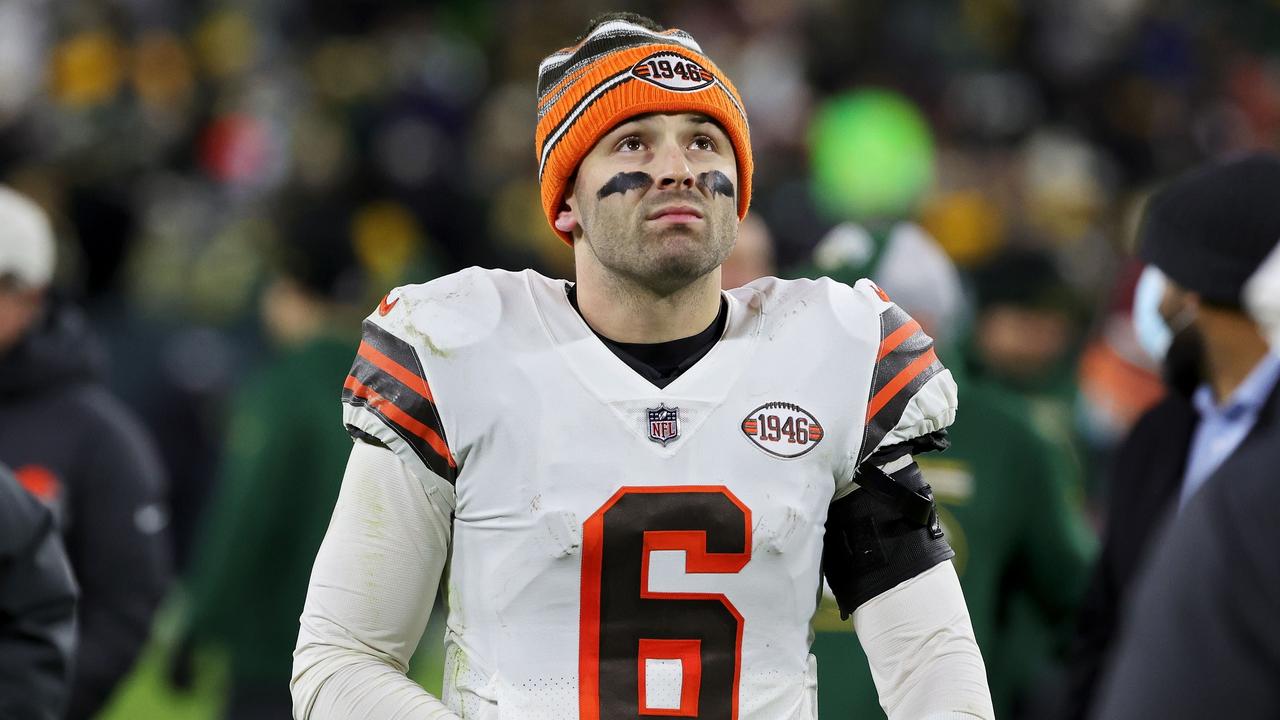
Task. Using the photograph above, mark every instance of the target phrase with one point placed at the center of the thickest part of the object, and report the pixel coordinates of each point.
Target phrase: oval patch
(782, 429)
(671, 71)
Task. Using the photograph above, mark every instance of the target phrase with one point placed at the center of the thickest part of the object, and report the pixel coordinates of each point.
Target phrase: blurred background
(230, 181)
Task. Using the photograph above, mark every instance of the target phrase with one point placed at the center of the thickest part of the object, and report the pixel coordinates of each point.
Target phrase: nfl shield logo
(664, 424)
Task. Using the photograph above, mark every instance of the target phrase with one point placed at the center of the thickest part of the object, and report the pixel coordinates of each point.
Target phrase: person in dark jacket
(77, 449)
(1202, 237)
(1200, 638)
(37, 608)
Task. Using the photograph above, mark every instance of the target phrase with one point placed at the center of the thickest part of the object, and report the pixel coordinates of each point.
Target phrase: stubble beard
(662, 261)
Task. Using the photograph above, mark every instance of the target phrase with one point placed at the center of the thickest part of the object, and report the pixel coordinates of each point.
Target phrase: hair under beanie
(618, 71)
(1210, 229)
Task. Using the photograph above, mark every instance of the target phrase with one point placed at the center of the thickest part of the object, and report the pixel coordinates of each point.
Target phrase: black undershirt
(661, 363)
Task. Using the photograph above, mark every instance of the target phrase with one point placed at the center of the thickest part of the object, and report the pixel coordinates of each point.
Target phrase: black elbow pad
(884, 532)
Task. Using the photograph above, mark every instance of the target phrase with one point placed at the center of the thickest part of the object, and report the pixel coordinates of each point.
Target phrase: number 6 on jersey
(661, 654)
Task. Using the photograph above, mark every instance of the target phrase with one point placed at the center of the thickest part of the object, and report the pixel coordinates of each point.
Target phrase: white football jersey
(621, 550)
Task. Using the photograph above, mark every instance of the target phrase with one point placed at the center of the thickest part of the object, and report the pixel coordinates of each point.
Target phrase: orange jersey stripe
(411, 379)
(908, 374)
(896, 338)
(386, 407)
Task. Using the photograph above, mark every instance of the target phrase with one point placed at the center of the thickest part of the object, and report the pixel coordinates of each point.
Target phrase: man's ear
(566, 219)
(566, 216)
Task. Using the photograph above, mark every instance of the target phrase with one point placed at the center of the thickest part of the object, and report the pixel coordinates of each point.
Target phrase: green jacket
(283, 467)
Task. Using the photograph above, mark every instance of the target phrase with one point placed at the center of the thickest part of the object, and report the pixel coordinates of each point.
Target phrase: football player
(637, 481)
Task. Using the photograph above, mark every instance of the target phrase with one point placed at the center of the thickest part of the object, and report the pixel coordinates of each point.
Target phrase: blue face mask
(1153, 332)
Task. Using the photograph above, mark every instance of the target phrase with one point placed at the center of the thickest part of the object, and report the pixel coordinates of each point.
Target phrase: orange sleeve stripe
(909, 373)
(896, 338)
(411, 379)
(400, 417)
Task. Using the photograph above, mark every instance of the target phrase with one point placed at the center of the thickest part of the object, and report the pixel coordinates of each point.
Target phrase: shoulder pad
(387, 395)
(911, 393)
(448, 313)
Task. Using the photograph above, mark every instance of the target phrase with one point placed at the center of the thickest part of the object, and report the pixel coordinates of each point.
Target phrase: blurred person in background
(77, 449)
(1200, 637)
(872, 162)
(752, 256)
(1022, 545)
(37, 608)
(1202, 236)
(1025, 338)
(282, 466)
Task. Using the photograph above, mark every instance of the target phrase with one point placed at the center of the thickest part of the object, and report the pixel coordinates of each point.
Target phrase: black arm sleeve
(883, 533)
(120, 551)
(37, 608)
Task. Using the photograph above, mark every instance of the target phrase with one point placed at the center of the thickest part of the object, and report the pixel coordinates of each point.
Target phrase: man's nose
(673, 168)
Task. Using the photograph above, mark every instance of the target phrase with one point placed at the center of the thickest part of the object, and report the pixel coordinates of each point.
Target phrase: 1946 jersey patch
(782, 429)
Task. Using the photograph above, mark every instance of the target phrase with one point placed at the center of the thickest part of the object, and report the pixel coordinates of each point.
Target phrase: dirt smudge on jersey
(564, 530)
(424, 340)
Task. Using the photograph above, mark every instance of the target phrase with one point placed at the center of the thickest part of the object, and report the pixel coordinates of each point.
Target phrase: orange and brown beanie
(618, 71)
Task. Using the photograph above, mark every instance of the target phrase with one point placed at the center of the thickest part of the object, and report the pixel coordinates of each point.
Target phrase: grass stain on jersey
(625, 182)
(424, 340)
(717, 183)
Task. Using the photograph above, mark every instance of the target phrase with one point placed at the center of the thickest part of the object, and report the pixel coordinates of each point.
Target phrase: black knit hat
(1210, 229)
(317, 251)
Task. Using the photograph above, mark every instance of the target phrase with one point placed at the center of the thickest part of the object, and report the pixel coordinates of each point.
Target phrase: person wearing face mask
(1202, 237)
(1214, 577)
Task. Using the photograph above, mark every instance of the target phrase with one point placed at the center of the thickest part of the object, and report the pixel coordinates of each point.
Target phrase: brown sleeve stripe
(911, 372)
(439, 459)
(411, 380)
(388, 379)
(905, 361)
(395, 349)
(896, 338)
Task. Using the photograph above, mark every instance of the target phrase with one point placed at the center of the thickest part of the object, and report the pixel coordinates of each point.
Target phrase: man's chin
(675, 270)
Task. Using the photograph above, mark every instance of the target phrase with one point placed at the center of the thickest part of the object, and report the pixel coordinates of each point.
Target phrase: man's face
(655, 201)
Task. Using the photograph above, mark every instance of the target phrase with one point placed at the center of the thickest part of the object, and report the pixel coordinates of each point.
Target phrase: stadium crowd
(233, 185)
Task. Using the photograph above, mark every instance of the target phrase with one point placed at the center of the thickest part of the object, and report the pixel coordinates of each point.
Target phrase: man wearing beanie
(83, 454)
(638, 481)
(1213, 577)
(1202, 237)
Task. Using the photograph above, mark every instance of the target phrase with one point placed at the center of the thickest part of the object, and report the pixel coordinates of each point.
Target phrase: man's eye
(702, 142)
(630, 144)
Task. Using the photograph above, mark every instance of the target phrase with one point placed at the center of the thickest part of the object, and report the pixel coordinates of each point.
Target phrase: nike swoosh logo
(384, 307)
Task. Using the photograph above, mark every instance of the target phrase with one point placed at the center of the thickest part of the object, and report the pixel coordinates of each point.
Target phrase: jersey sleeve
(911, 394)
(387, 400)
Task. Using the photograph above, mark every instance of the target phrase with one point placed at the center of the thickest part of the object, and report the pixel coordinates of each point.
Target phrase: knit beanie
(26, 241)
(1210, 229)
(618, 71)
